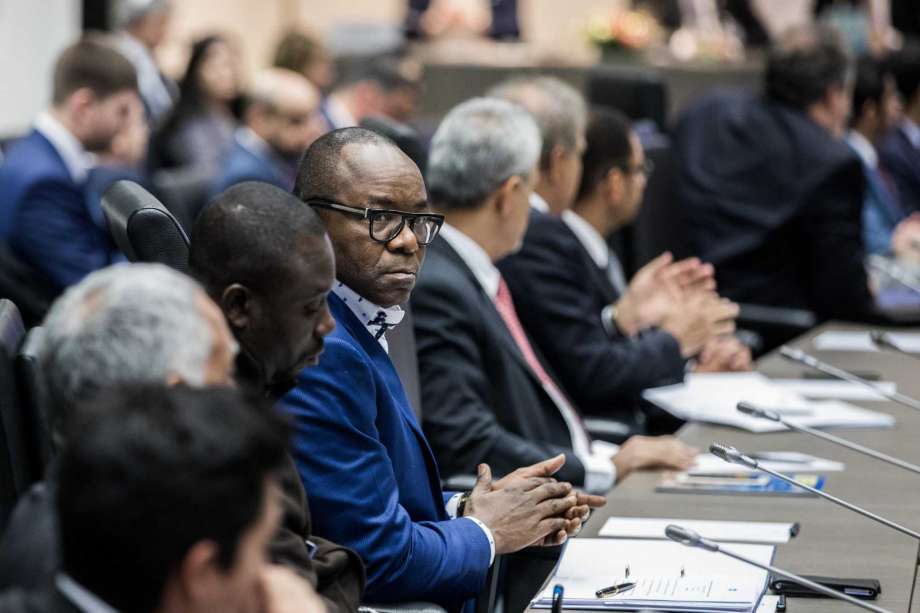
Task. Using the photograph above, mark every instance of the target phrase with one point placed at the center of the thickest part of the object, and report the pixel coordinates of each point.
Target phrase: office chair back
(35, 401)
(143, 228)
(16, 469)
(638, 94)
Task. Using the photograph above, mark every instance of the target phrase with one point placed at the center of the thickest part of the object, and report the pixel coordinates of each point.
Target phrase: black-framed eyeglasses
(385, 224)
(647, 167)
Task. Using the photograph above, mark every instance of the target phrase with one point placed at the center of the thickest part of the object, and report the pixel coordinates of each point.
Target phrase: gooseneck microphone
(749, 409)
(733, 456)
(799, 356)
(884, 340)
(690, 538)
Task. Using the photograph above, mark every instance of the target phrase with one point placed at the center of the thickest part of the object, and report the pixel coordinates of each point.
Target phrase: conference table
(832, 541)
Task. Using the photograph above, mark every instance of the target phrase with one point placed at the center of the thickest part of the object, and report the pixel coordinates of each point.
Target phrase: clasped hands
(529, 507)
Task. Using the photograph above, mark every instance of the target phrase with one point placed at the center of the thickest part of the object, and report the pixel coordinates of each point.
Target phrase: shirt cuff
(488, 533)
(452, 503)
(600, 471)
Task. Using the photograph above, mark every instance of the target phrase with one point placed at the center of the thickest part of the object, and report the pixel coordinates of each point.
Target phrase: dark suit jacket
(481, 402)
(47, 218)
(374, 484)
(774, 202)
(30, 550)
(244, 164)
(901, 160)
(561, 293)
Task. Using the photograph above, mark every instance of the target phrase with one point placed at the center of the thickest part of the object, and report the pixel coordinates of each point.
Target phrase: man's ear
(197, 578)
(236, 302)
(503, 199)
(557, 157)
(614, 186)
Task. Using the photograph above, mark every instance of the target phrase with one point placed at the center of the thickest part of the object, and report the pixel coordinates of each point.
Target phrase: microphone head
(791, 353)
(749, 409)
(731, 455)
(689, 538)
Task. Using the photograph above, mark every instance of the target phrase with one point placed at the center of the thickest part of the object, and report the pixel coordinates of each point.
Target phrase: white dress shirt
(538, 203)
(863, 148)
(378, 320)
(77, 160)
(339, 114)
(153, 90)
(80, 597)
(600, 473)
(912, 131)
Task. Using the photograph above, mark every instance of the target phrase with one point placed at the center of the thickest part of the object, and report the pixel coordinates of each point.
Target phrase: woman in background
(199, 131)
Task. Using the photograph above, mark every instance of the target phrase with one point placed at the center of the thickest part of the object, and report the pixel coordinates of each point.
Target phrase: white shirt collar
(252, 141)
(375, 318)
(149, 80)
(863, 148)
(538, 203)
(590, 238)
(77, 160)
(339, 114)
(475, 258)
(80, 597)
(912, 131)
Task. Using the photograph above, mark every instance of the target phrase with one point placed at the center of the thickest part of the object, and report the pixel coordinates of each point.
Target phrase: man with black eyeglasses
(373, 481)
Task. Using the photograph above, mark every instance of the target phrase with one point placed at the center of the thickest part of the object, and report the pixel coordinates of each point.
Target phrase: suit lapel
(491, 317)
(598, 276)
(344, 316)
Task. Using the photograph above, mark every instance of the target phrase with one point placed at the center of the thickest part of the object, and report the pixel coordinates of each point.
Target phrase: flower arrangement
(624, 30)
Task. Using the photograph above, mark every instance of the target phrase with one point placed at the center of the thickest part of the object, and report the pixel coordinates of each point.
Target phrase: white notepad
(854, 340)
(709, 582)
(723, 531)
(713, 398)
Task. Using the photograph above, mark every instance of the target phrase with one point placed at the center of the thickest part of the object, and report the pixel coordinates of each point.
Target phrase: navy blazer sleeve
(52, 231)
(457, 405)
(354, 494)
(563, 316)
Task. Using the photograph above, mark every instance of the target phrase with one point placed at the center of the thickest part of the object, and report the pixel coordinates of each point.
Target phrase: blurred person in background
(386, 86)
(497, 19)
(198, 132)
(141, 28)
(280, 120)
(769, 193)
(900, 150)
(306, 54)
(47, 214)
(876, 111)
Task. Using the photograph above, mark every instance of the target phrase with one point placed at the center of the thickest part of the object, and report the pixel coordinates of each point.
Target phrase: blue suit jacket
(881, 212)
(372, 479)
(901, 160)
(49, 220)
(244, 164)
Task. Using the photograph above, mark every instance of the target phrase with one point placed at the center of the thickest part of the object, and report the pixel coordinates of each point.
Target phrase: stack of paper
(786, 462)
(713, 398)
(668, 577)
(722, 531)
(852, 340)
(841, 390)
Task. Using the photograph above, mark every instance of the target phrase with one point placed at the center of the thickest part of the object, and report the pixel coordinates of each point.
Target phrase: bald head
(283, 110)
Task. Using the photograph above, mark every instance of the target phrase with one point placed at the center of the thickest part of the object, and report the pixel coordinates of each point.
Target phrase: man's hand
(640, 452)
(658, 288)
(546, 468)
(523, 512)
(701, 317)
(724, 354)
(283, 591)
(905, 240)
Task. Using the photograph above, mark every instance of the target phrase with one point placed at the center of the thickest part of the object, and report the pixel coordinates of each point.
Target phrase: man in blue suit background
(282, 119)
(373, 481)
(46, 213)
(900, 150)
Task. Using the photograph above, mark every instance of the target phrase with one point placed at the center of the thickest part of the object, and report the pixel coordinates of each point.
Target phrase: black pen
(614, 589)
(558, 591)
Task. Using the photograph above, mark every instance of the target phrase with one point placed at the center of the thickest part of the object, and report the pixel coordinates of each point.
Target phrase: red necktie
(505, 307)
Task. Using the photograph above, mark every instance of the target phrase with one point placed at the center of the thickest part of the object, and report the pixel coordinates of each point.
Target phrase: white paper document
(713, 398)
(768, 604)
(668, 576)
(853, 340)
(722, 531)
(786, 462)
(841, 390)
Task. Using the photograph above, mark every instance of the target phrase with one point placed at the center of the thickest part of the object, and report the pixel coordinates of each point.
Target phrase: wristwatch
(461, 504)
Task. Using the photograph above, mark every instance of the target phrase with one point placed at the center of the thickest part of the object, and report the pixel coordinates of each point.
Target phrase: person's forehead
(380, 175)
